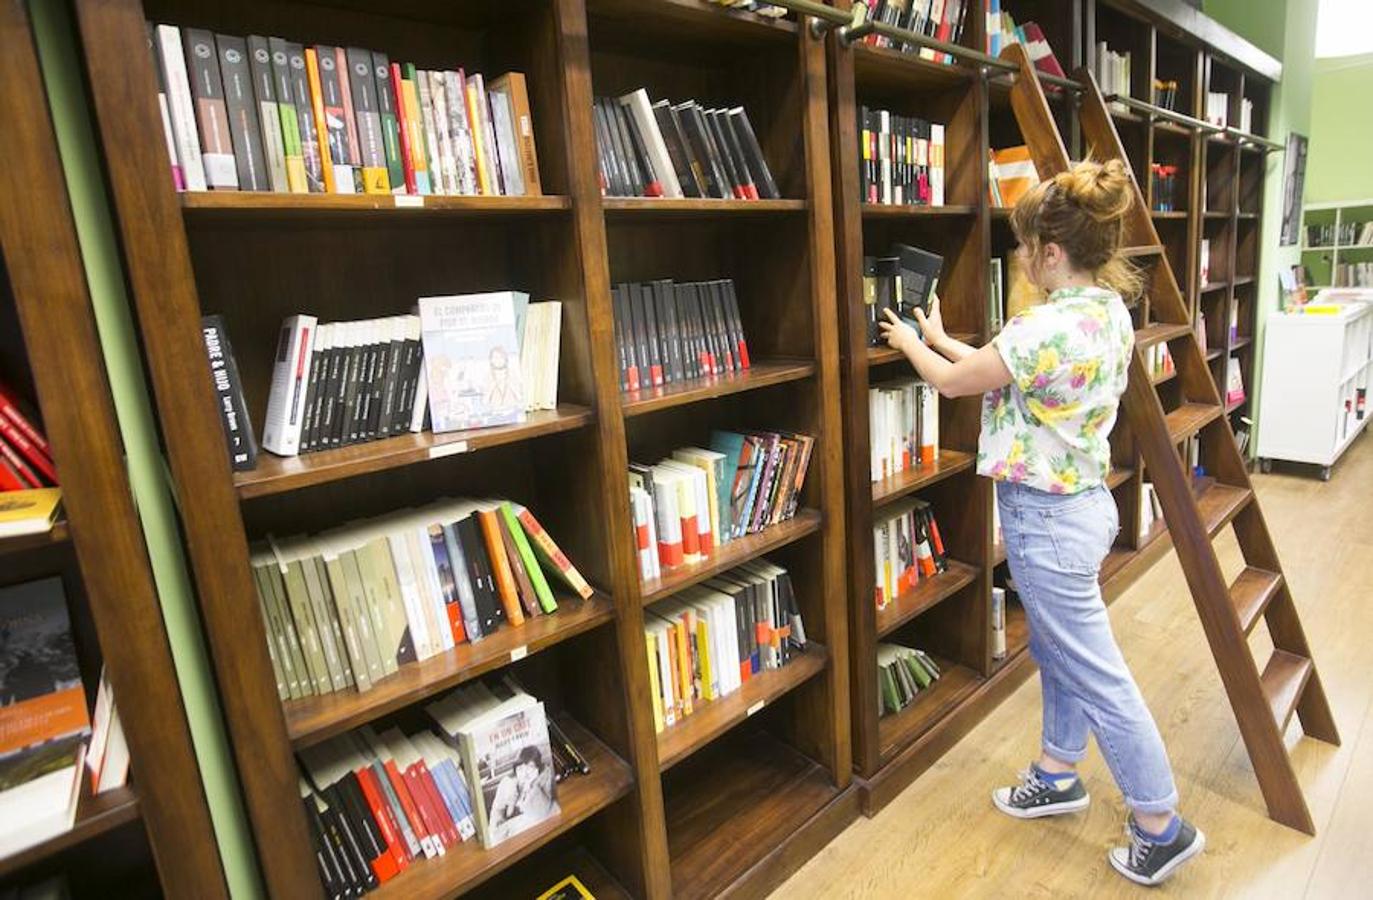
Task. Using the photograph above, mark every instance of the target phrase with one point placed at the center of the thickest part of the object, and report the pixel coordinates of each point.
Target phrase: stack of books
(1166, 94)
(1113, 73)
(1160, 361)
(685, 506)
(661, 149)
(901, 159)
(1353, 275)
(903, 426)
(907, 548)
(266, 114)
(902, 674)
(347, 608)
(1218, 108)
(25, 457)
(1012, 173)
(667, 332)
(1234, 381)
(942, 20)
(903, 280)
(1164, 180)
(1002, 31)
(706, 641)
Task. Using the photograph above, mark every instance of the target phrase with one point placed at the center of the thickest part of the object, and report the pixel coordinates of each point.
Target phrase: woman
(1053, 379)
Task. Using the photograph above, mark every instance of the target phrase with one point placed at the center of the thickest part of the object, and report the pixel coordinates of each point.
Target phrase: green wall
(1339, 165)
(1260, 22)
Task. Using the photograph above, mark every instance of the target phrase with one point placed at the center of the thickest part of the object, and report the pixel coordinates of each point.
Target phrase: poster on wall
(1293, 183)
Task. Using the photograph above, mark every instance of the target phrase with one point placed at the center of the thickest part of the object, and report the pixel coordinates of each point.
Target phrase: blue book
(472, 360)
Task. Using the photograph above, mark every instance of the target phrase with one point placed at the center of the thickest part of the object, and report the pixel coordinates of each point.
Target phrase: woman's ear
(1051, 255)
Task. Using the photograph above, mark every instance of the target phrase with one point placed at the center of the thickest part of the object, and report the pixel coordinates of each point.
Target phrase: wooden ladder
(1197, 509)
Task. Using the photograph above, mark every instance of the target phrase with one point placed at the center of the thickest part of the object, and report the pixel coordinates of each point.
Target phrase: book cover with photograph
(472, 357)
(512, 765)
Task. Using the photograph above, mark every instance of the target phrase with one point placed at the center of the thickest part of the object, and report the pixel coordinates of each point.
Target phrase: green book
(269, 624)
(362, 598)
(397, 644)
(293, 659)
(327, 623)
(531, 564)
(343, 607)
(374, 586)
(304, 618)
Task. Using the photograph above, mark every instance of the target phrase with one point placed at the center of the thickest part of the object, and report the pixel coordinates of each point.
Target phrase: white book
(460, 132)
(172, 55)
(507, 144)
(426, 579)
(286, 400)
(410, 593)
(640, 109)
(41, 808)
(438, 96)
(936, 164)
(472, 360)
(431, 136)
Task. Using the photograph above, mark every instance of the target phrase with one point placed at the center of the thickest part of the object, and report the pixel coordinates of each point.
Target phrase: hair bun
(1102, 190)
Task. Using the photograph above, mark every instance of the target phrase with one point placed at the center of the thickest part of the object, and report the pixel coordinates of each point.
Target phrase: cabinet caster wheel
(1325, 473)
(1265, 466)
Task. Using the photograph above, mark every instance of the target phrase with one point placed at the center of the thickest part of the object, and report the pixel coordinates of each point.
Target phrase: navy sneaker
(1039, 795)
(1146, 861)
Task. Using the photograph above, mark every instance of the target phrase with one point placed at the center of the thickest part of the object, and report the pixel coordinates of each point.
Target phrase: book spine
(460, 131)
(281, 430)
(438, 177)
(182, 110)
(178, 178)
(321, 121)
(414, 130)
(241, 110)
(212, 119)
(390, 124)
(233, 412)
(336, 119)
(407, 158)
(269, 113)
(376, 178)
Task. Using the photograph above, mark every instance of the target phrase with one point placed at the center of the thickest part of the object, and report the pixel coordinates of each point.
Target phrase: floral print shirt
(1068, 360)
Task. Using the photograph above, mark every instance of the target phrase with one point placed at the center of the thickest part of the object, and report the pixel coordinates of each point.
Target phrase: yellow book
(683, 665)
(570, 888)
(707, 668)
(28, 512)
(653, 682)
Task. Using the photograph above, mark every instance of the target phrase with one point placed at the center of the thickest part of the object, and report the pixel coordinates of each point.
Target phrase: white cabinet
(1317, 368)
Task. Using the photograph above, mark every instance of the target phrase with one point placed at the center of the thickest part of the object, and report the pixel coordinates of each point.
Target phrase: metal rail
(1162, 113)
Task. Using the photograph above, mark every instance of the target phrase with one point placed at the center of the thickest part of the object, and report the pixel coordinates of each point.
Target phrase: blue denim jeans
(1055, 544)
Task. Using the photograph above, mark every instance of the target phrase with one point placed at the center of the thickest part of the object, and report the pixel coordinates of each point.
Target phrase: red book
(16, 462)
(9, 477)
(9, 408)
(407, 805)
(406, 159)
(393, 860)
(29, 450)
(432, 823)
(445, 819)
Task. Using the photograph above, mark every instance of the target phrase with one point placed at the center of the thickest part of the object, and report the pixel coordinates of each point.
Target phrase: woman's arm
(932, 327)
(954, 350)
(978, 371)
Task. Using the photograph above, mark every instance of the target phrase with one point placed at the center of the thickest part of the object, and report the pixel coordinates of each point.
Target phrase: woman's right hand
(931, 325)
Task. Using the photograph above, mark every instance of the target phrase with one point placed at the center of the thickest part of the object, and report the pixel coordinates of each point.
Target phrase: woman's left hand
(898, 334)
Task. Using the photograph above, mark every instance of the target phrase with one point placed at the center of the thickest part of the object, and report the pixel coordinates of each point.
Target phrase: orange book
(321, 126)
(684, 664)
(1015, 173)
(549, 555)
(500, 564)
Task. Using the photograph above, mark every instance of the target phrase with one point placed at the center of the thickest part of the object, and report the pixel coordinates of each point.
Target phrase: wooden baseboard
(768, 873)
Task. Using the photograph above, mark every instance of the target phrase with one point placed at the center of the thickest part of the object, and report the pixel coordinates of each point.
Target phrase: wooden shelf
(1233, 407)
(926, 594)
(1283, 680)
(1171, 129)
(909, 211)
(689, 207)
(1188, 419)
(1215, 214)
(468, 865)
(245, 204)
(761, 374)
(1212, 286)
(897, 730)
(1167, 214)
(1214, 353)
(884, 68)
(878, 356)
(727, 556)
(310, 720)
(95, 815)
(1219, 503)
(894, 487)
(275, 474)
(1241, 342)
(730, 805)
(55, 536)
(688, 20)
(1159, 333)
(710, 720)
(544, 869)
(1242, 280)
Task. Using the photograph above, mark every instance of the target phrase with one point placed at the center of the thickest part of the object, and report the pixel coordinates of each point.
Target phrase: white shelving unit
(1316, 375)
(1339, 213)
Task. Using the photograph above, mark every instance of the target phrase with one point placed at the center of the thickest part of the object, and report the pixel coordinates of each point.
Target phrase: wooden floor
(942, 837)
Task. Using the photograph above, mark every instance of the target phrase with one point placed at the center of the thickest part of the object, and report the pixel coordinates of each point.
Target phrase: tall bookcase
(154, 834)
(737, 794)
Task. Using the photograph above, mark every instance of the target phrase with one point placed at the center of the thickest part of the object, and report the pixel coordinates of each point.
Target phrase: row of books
(25, 456)
(901, 158)
(1011, 173)
(1234, 381)
(49, 742)
(706, 641)
(668, 332)
(1358, 274)
(1166, 94)
(1355, 403)
(903, 426)
(1159, 359)
(348, 607)
(998, 618)
(1345, 234)
(1112, 72)
(266, 114)
(903, 673)
(661, 149)
(1163, 181)
(903, 281)
(1217, 108)
(942, 20)
(907, 548)
(464, 361)
(1002, 31)
(486, 767)
(685, 506)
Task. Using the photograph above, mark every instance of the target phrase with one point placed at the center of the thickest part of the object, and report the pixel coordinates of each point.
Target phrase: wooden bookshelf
(153, 834)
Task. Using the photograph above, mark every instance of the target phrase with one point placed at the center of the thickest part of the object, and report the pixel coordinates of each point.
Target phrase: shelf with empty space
(907, 210)
(275, 474)
(895, 486)
(727, 556)
(887, 68)
(310, 720)
(257, 204)
(950, 689)
(57, 534)
(546, 868)
(926, 593)
(687, 20)
(96, 814)
(731, 804)
(712, 719)
(881, 355)
(1159, 333)
(700, 207)
(468, 864)
(763, 373)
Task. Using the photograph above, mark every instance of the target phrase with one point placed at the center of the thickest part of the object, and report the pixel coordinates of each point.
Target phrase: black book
(310, 423)
(643, 308)
(356, 411)
(888, 270)
(348, 388)
(484, 596)
(241, 106)
(653, 180)
(753, 154)
(639, 176)
(671, 127)
(350, 883)
(715, 347)
(713, 298)
(617, 315)
(698, 139)
(374, 842)
(638, 365)
(864, 169)
(705, 363)
(619, 150)
(381, 353)
(310, 139)
(233, 409)
(405, 383)
(919, 273)
(734, 151)
(390, 383)
(736, 323)
(643, 350)
(671, 329)
(605, 152)
(414, 354)
(870, 300)
(329, 877)
(342, 823)
(733, 180)
(330, 409)
(690, 362)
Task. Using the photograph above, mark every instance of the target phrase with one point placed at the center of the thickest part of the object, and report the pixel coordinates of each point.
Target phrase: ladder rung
(1188, 419)
(1218, 503)
(1283, 680)
(1158, 333)
(1145, 250)
(1251, 594)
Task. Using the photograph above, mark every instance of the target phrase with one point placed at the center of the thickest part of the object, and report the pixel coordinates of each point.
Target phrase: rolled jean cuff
(1067, 756)
(1154, 807)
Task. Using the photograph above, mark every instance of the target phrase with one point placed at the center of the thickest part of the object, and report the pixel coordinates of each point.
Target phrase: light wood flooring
(942, 837)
